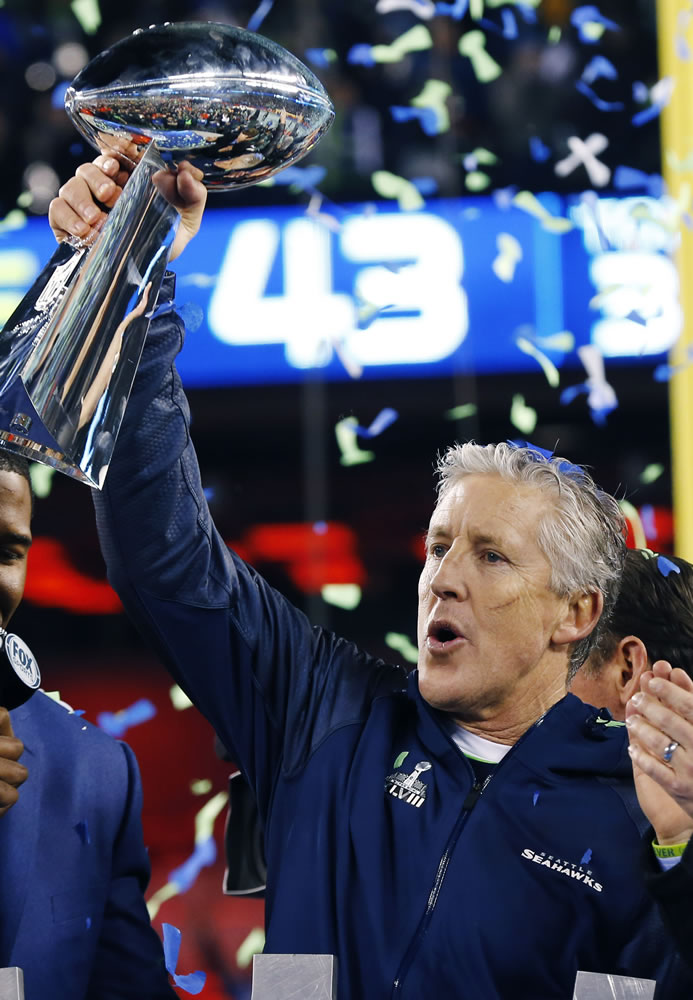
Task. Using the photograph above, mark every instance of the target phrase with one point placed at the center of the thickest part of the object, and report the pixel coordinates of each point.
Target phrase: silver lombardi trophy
(231, 102)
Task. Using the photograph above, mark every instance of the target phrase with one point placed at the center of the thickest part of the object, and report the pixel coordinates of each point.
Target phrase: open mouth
(441, 635)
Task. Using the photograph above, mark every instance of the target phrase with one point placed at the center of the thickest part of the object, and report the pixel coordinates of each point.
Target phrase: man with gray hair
(468, 830)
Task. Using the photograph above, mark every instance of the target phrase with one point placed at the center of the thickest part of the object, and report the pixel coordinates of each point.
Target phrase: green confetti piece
(522, 416)
(402, 644)
(348, 445)
(434, 95)
(201, 787)
(88, 14)
(484, 156)
(555, 33)
(563, 341)
(548, 367)
(476, 180)
(530, 203)
(179, 698)
(14, 220)
(631, 513)
(472, 45)
(41, 479)
(461, 412)
(252, 945)
(651, 473)
(400, 758)
(389, 185)
(204, 820)
(342, 595)
(417, 39)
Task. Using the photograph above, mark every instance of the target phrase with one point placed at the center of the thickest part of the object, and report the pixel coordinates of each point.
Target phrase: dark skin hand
(12, 773)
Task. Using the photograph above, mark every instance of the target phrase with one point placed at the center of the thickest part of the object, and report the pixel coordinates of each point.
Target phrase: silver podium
(11, 984)
(294, 977)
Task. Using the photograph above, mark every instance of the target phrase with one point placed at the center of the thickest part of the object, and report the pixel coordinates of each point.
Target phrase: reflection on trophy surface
(237, 106)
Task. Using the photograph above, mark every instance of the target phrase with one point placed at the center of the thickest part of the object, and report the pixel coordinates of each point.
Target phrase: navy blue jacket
(379, 848)
(73, 867)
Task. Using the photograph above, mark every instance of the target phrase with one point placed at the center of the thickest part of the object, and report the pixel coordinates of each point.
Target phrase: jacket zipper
(473, 796)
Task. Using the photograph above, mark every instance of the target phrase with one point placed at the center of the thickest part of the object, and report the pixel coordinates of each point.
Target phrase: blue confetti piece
(194, 981)
(320, 527)
(185, 875)
(260, 14)
(540, 453)
(360, 55)
(456, 10)
(509, 24)
(663, 373)
(572, 392)
(208, 492)
(381, 422)
(503, 197)
(82, 829)
(582, 17)
(636, 317)
(628, 178)
(599, 104)
(641, 94)
(528, 13)
(116, 724)
(647, 115)
(319, 57)
(598, 67)
(538, 150)
(586, 857)
(58, 96)
(426, 186)
(427, 117)
(88, 923)
(535, 798)
(647, 517)
(192, 315)
(666, 566)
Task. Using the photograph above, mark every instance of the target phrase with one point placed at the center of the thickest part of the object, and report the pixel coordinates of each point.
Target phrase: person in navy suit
(73, 866)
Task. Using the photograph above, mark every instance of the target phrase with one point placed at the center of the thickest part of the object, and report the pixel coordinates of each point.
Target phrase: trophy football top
(233, 103)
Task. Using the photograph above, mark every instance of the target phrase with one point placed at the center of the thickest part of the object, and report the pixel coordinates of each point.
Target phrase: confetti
(547, 366)
(342, 595)
(660, 95)
(88, 14)
(509, 256)
(422, 8)
(198, 280)
(477, 180)
(633, 517)
(601, 397)
(627, 178)
(586, 153)
(386, 417)
(194, 981)
(563, 342)
(651, 473)
(535, 798)
(599, 103)
(433, 98)
(14, 220)
(368, 312)
(598, 67)
(461, 412)
(417, 39)
(320, 57)
(472, 45)
(201, 787)
(666, 566)
(41, 479)
(647, 517)
(522, 416)
(179, 698)
(389, 185)
(402, 644)
(345, 432)
(426, 117)
(252, 945)
(117, 724)
(455, 10)
(591, 24)
(260, 14)
(586, 857)
(538, 150)
(530, 203)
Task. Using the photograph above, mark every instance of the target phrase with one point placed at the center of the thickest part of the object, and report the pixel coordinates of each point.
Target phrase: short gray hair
(582, 533)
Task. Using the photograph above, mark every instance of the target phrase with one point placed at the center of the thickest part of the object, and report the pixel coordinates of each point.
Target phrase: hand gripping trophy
(234, 104)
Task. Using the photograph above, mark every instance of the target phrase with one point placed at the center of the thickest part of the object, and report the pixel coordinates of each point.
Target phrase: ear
(633, 662)
(582, 614)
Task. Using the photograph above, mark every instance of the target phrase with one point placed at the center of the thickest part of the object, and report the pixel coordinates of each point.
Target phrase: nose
(448, 581)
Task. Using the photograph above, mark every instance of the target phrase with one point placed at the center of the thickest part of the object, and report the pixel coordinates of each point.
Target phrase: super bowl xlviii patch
(408, 787)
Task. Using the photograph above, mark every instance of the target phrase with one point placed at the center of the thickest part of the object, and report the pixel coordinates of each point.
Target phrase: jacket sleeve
(270, 684)
(673, 892)
(129, 958)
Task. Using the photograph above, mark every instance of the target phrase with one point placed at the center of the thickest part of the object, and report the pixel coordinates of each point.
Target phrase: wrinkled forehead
(490, 504)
